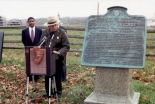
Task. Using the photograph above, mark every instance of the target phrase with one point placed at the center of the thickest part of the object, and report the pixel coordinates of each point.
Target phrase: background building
(14, 22)
(2, 21)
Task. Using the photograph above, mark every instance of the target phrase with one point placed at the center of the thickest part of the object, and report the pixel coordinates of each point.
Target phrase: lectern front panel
(38, 68)
(45, 67)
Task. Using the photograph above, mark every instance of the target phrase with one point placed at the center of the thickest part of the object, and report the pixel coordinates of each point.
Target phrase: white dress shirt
(30, 29)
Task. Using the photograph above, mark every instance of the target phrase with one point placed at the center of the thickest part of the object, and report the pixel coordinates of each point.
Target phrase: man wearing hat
(59, 44)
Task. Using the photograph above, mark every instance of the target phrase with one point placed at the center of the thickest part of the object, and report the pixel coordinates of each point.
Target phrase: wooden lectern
(46, 66)
(40, 61)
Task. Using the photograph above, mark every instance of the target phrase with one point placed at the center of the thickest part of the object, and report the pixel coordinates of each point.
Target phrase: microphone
(43, 40)
(51, 40)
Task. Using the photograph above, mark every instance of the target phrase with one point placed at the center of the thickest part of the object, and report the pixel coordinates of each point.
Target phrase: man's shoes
(57, 96)
(46, 96)
(64, 80)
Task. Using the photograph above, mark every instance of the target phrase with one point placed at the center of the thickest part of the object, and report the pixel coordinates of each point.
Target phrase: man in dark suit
(31, 37)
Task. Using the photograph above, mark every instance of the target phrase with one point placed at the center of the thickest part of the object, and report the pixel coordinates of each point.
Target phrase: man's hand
(56, 52)
(38, 46)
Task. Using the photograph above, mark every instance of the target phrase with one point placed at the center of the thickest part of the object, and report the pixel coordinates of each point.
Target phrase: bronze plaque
(115, 39)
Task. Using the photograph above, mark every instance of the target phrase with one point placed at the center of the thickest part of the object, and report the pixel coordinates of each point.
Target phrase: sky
(22, 9)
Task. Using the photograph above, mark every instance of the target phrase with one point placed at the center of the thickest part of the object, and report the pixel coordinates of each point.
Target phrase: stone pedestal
(113, 86)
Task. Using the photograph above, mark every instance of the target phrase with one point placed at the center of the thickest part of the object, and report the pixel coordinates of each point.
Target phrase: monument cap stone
(117, 7)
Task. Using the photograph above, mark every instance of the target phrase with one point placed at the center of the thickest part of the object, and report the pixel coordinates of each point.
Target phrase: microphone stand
(54, 82)
(43, 41)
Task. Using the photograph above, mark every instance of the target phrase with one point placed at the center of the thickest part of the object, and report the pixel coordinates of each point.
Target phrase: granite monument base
(113, 86)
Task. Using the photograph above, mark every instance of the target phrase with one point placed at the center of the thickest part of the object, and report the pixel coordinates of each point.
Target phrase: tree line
(66, 21)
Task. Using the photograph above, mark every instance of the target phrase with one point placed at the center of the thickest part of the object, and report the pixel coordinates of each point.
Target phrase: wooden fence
(149, 30)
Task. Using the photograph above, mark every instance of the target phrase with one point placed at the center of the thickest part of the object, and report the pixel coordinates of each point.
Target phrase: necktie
(32, 35)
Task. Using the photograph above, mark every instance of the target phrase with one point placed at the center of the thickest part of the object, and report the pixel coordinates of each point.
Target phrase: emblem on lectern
(37, 54)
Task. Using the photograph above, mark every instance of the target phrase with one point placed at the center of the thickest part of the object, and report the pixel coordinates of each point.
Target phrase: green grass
(11, 30)
(146, 92)
(9, 75)
(73, 40)
(80, 82)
